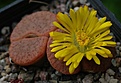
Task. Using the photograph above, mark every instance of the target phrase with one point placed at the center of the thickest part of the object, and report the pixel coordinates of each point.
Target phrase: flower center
(82, 38)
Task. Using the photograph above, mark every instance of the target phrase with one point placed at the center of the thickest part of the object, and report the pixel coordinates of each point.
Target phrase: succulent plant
(84, 35)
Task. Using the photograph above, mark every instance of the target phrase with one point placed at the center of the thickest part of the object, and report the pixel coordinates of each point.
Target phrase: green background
(5, 2)
(113, 5)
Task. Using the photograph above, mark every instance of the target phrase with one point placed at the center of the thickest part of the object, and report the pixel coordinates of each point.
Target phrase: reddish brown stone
(58, 64)
(29, 38)
(91, 66)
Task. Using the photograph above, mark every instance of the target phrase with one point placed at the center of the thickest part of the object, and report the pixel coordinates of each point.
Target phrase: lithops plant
(85, 40)
(29, 38)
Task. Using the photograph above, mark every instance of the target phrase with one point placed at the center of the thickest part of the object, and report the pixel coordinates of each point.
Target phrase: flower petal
(99, 51)
(107, 51)
(71, 68)
(88, 55)
(110, 43)
(73, 17)
(97, 25)
(102, 35)
(96, 59)
(59, 35)
(59, 44)
(89, 19)
(55, 49)
(84, 13)
(62, 52)
(80, 57)
(105, 26)
(62, 40)
(65, 20)
(54, 33)
(76, 64)
(106, 38)
(75, 57)
(69, 62)
(60, 27)
(72, 52)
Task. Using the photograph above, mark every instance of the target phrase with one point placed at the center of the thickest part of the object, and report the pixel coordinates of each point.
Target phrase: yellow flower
(84, 35)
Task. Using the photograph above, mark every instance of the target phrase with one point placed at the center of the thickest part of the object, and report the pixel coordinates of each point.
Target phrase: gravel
(12, 73)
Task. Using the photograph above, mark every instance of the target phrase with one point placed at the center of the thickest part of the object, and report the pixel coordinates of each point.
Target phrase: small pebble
(15, 69)
(7, 60)
(96, 76)
(117, 47)
(3, 55)
(88, 4)
(76, 8)
(112, 77)
(75, 2)
(63, 1)
(37, 75)
(43, 75)
(118, 61)
(120, 48)
(66, 82)
(113, 81)
(43, 82)
(5, 67)
(8, 70)
(54, 77)
(53, 81)
(44, 8)
(118, 52)
(2, 61)
(113, 61)
(110, 72)
(4, 47)
(4, 78)
(4, 82)
(62, 7)
(27, 77)
(12, 76)
(88, 79)
(5, 30)
(3, 73)
(1, 68)
(58, 73)
(102, 80)
(118, 43)
(107, 77)
(119, 69)
(14, 24)
(10, 60)
(83, 1)
(102, 76)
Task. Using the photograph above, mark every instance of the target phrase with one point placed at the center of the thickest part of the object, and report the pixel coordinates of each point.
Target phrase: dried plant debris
(37, 1)
(12, 73)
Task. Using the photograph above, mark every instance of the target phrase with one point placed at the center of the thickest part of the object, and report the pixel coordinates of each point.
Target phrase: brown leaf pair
(29, 40)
